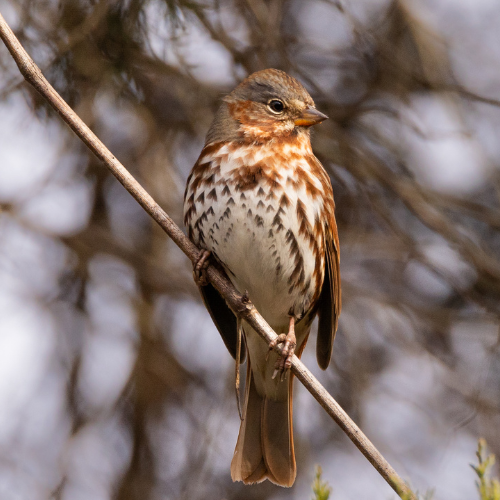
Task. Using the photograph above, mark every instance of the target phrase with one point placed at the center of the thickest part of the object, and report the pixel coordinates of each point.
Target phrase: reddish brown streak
(246, 178)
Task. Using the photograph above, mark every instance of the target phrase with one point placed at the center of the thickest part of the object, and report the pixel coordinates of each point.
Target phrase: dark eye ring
(276, 106)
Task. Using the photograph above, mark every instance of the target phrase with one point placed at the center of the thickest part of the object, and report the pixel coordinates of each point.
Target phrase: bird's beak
(310, 116)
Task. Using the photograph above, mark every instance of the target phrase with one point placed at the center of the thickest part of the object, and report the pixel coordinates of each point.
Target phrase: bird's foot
(200, 269)
(289, 341)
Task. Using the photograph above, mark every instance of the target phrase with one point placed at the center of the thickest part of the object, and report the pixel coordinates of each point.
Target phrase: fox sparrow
(261, 206)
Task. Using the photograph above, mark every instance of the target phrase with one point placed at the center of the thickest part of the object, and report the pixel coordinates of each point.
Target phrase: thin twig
(242, 307)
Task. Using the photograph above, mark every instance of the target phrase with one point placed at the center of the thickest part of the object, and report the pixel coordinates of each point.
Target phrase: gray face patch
(271, 83)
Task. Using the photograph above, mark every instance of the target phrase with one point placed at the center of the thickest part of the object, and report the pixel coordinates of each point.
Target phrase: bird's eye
(276, 106)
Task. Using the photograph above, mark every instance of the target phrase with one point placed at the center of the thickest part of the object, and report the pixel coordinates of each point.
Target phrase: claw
(284, 361)
(200, 269)
(278, 340)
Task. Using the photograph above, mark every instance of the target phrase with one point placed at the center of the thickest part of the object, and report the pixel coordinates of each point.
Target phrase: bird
(260, 205)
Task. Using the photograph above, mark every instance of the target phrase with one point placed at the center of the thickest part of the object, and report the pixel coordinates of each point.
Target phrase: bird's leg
(239, 331)
(200, 269)
(289, 341)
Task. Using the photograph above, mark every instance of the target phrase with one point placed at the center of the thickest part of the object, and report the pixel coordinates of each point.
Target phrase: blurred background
(114, 383)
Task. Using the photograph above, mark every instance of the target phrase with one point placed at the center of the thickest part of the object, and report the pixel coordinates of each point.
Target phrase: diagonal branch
(238, 303)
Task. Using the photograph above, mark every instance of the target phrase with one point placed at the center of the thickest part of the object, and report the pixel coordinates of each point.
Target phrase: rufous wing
(330, 301)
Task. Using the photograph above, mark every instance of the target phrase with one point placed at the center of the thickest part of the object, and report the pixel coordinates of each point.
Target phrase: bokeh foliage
(144, 405)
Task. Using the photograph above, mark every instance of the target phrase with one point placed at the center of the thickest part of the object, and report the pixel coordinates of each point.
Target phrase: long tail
(265, 442)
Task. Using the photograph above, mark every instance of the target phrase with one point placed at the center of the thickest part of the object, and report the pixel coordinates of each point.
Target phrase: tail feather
(277, 441)
(265, 442)
(247, 459)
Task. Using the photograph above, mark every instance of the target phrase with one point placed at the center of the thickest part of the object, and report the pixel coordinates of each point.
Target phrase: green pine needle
(321, 489)
(489, 489)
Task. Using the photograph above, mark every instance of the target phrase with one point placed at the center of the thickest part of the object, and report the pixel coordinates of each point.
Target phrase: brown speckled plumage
(262, 204)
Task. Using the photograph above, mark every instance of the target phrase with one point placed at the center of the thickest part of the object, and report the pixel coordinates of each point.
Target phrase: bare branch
(238, 303)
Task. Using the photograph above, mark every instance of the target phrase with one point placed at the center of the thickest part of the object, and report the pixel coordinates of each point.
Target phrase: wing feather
(224, 319)
(330, 301)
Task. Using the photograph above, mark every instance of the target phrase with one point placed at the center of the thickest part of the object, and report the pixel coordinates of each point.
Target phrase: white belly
(257, 240)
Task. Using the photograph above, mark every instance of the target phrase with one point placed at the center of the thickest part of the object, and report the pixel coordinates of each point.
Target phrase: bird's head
(266, 105)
